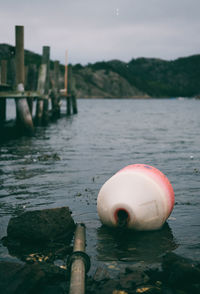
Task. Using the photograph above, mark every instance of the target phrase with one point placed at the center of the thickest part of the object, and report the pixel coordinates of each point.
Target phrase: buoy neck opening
(122, 218)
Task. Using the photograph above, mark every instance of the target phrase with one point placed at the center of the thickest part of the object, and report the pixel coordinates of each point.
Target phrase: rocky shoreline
(41, 240)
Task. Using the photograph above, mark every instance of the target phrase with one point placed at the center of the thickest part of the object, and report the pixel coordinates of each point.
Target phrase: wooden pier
(47, 90)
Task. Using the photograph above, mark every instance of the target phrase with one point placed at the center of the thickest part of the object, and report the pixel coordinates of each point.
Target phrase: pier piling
(68, 98)
(40, 89)
(24, 117)
(3, 71)
(42, 107)
(72, 92)
(3, 82)
(19, 54)
(55, 91)
(45, 60)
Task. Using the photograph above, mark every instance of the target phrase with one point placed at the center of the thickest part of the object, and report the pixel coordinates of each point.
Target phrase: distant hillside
(95, 83)
(154, 77)
(141, 77)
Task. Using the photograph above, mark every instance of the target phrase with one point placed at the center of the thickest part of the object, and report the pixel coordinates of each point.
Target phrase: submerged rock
(181, 273)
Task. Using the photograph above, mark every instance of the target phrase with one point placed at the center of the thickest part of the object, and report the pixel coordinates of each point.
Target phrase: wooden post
(40, 89)
(74, 104)
(45, 60)
(42, 107)
(55, 92)
(19, 54)
(68, 99)
(25, 76)
(39, 112)
(3, 71)
(3, 100)
(31, 83)
(66, 72)
(32, 78)
(56, 73)
(29, 100)
(72, 91)
(24, 118)
(12, 68)
(68, 104)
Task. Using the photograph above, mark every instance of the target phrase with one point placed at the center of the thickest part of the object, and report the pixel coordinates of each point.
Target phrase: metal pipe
(78, 270)
(79, 238)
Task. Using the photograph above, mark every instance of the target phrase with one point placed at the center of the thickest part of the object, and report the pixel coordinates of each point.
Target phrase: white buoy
(138, 197)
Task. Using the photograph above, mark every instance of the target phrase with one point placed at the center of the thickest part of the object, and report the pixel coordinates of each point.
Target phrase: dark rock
(61, 288)
(108, 287)
(178, 275)
(124, 283)
(17, 278)
(181, 273)
(41, 235)
(98, 287)
(133, 279)
(52, 272)
(27, 279)
(42, 226)
(155, 274)
(101, 274)
(167, 290)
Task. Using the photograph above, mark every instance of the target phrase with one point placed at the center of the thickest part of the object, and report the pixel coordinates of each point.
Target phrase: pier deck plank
(25, 94)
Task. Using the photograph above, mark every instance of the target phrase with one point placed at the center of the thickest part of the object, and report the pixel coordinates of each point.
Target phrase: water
(66, 163)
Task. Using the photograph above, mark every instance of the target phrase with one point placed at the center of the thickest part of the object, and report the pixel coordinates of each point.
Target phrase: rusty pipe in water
(79, 262)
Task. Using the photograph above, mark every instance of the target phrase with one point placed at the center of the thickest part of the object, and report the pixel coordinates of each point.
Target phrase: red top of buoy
(156, 175)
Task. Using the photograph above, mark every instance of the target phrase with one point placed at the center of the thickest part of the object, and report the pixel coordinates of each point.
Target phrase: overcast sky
(96, 30)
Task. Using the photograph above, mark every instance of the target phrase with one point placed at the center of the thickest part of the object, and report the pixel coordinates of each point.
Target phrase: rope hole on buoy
(122, 217)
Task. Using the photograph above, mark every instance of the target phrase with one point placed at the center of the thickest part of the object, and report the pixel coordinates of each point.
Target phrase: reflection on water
(134, 246)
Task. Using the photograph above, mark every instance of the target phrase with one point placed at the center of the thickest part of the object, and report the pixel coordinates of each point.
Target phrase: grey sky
(96, 30)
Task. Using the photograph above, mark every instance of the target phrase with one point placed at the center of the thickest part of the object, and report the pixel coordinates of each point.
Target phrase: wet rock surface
(181, 273)
(41, 225)
(40, 235)
(177, 275)
(37, 278)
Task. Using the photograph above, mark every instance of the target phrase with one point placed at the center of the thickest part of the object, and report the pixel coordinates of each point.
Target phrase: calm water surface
(105, 136)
